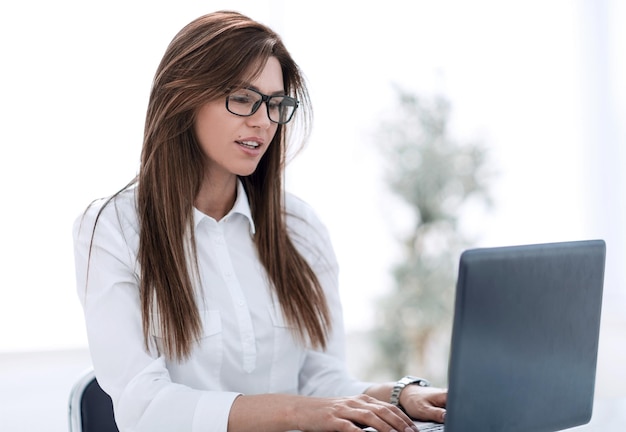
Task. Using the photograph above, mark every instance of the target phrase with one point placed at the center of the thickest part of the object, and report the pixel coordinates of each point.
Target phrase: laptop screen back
(525, 337)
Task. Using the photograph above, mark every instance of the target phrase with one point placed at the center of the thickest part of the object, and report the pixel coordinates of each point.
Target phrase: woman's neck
(217, 197)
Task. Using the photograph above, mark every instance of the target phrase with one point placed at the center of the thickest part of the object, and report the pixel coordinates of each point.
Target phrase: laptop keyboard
(431, 427)
(423, 427)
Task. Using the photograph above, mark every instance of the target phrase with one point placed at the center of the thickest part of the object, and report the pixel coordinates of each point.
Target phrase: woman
(210, 295)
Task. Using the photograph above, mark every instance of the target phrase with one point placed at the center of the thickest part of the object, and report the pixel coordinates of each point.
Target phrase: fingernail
(409, 429)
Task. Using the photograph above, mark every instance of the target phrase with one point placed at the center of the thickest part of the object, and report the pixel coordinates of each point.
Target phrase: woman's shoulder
(300, 214)
(307, 230)
(296, 205)
(118, 212)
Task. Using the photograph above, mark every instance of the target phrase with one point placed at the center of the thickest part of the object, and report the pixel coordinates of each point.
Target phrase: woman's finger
(384, 417)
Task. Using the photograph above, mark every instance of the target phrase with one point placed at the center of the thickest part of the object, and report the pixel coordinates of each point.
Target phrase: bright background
(539, 81)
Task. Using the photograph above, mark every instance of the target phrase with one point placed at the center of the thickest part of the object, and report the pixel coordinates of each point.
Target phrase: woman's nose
(261, 117)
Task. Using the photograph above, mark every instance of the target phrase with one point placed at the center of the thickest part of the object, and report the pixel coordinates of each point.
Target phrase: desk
(609, 415)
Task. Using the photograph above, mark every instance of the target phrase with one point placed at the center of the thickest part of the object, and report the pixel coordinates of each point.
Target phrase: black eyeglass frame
(265, 98)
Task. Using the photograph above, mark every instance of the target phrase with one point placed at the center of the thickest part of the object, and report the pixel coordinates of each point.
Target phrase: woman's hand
(350, 415)
(280, 412)
(424, 403)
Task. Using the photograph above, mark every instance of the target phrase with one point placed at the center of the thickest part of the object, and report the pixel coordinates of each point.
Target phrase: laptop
(525, 338)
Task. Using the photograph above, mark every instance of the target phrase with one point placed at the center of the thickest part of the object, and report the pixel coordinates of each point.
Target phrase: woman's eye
(276, 103)
(243, 99)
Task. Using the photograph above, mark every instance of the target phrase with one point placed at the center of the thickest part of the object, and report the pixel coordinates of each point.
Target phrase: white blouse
(246, 347)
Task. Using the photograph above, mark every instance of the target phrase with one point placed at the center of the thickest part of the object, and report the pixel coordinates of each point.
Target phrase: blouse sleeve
(136, 378)
(324, 372)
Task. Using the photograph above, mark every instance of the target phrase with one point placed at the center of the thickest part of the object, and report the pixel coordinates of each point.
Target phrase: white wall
(75, 77)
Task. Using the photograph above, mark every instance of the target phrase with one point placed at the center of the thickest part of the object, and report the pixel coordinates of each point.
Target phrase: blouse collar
(241, 206)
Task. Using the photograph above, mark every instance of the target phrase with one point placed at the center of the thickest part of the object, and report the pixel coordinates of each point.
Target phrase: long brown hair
(205, 59)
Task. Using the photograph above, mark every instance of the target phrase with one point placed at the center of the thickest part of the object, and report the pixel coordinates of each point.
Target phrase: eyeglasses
(245, 102)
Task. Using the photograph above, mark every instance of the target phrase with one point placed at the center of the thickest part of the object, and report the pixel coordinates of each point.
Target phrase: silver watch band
(402, 383)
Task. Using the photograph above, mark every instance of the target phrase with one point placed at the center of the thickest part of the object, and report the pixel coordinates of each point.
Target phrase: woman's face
(233, 145)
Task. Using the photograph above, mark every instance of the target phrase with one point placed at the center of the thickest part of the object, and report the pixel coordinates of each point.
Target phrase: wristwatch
(402, 383)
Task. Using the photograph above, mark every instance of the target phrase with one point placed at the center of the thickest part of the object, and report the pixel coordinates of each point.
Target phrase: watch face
(414, 380)
(407, 380)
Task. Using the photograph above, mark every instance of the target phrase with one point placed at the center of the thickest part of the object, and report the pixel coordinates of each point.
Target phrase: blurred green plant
(436, 177)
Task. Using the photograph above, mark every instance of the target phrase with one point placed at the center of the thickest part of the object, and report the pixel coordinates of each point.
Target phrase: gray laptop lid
(525, 337)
